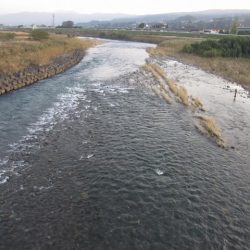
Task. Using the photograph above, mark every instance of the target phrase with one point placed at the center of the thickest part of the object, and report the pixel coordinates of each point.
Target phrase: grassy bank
(130, 34)
(20, 52)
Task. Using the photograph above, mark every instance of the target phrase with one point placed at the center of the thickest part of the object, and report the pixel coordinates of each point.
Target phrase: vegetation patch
(159, 70)
(179, 91)
(183, 95)
(209, 127)
(6, 36)
(197, 104)
(225, 47)
(150, 68)
(156, 90)
(207, 124)
(39, 35)
(166, 96)
(161, 88)
(19, 54)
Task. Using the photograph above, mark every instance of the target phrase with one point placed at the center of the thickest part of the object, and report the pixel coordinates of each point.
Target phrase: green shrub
(39, 35)
(212, 53)
(103, 34)
(7, 36)
(225, 47)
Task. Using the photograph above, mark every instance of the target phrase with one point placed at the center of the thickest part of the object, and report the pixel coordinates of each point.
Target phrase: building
(243, 30)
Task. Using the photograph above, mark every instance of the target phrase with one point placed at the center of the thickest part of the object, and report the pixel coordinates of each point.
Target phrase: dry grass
(19, 54)
(156, 90)
(159, 71)
(148, 67)
(171, 45)
(234, 69)
(197, 104)
(183, 95)
(165, 95)
(179, 91)
(209, 124)
(159, 89)
(173, 87)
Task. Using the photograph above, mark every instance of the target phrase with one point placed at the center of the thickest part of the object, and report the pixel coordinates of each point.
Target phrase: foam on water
(60, 110)
(90, 156)
(159, 172)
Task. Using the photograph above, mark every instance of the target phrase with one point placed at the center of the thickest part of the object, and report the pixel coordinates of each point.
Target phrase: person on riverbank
(235, 94)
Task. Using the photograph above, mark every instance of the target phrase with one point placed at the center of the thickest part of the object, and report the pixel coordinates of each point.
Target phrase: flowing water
(90, 161)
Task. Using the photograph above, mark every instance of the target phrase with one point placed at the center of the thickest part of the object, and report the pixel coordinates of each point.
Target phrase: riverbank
(26, 61)
(171, 45)
(232, 69)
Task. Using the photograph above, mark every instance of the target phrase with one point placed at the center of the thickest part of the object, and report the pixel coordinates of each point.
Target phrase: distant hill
(38, 18)
(116, 20)
(182, 21)
(199, 15)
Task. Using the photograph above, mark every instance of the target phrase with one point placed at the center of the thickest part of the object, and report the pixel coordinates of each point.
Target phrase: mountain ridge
(38, 18)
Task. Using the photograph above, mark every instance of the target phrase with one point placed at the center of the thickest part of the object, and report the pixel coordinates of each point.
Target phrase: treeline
(225, 47)
(114, 35)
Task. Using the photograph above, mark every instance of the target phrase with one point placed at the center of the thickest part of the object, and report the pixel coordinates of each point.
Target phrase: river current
(90, 161)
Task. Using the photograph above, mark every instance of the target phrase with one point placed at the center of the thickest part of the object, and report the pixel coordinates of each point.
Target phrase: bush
(67, 24)
(39, 35)
(7, 36)
(226, 47)
(103, 34)
(212, 53)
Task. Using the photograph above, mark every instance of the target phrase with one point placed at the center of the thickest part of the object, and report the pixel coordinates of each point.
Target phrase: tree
(39, 35)
(142, 26)
(234, 26)
(68, 24)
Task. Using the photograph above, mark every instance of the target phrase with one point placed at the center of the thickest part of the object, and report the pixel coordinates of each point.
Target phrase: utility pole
(53, 20)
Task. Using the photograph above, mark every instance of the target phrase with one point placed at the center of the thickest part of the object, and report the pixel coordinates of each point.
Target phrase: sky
(119, 6)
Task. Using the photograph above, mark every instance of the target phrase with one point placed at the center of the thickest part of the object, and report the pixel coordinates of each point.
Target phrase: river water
(90, 161)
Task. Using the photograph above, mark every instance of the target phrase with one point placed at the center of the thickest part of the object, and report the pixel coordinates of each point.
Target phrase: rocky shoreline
(32, 74)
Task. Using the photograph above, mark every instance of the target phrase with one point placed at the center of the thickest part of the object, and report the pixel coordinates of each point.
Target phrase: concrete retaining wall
(10, 82)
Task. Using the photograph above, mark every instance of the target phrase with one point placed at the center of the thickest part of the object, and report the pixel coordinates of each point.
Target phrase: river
(90, 161)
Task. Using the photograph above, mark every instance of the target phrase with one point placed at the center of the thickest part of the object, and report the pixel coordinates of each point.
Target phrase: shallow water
(217, 95)
(90, 161)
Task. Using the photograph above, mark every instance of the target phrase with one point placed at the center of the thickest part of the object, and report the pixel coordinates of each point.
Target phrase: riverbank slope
(27, 61)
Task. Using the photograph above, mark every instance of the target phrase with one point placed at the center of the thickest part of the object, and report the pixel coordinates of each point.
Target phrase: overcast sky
(120, 6)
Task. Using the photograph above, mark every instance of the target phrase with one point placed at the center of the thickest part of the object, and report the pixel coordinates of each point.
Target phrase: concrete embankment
(32, 74)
